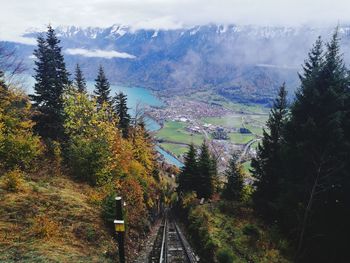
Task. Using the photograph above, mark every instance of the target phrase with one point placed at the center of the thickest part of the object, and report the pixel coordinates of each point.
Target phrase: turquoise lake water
(169, 158)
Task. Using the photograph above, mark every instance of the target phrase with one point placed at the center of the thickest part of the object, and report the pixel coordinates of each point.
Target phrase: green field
(175, 131)
(239, 138)
(176, 149)
(255, 145)
(231, 121)
(247, 166)
(255, 129)
(211, 97)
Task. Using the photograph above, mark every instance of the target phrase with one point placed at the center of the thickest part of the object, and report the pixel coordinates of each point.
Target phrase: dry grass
(53, 219)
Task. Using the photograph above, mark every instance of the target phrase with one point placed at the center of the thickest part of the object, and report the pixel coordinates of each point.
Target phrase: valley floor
(193, 118)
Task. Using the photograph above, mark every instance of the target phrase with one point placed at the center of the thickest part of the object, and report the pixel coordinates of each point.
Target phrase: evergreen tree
(102, 88)
(51, 78)
(206, 173)
(268, 163)
(79, 80)
(188, 176)
(233, 190)
(121, 108)
(314, 193)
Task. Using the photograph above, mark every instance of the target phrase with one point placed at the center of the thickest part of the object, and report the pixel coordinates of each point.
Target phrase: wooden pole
(120, 228)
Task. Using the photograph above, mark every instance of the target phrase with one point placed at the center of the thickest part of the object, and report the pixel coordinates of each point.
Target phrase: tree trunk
(306, 214)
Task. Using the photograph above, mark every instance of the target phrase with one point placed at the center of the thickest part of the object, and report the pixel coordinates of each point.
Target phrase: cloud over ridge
(98, 53)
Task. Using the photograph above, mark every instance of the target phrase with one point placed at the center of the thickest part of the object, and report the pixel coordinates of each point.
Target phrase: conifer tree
(233, 190)
(51, 78)
(313, 196)
(267, 164)
(121, 108)
(188, 176)
(102, 88)
(317, 144)
(205, 186)
(79, 80)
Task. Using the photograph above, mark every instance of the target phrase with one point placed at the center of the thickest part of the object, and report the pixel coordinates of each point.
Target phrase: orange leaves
(130, 189)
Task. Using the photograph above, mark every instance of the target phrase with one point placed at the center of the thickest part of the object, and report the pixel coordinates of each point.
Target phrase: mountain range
(244, 63)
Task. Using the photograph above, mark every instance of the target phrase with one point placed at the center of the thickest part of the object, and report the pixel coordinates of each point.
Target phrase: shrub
(13, 180)
(86, 232)
(251, 230)
(54, 150)
(253, 233)
(225, 256)
(44, 227)
(108, 208)
(91, 135)
(18, 145)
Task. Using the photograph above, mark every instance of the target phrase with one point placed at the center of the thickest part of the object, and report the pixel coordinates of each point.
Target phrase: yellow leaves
(18, 145)
(45, 227)
(13, 181)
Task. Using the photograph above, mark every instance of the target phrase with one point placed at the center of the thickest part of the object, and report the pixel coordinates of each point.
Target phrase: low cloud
(98, 53)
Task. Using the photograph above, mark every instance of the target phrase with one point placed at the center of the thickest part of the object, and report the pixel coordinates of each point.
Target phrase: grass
(230, 121)
(239, 138)
(257, 130)
(175, 131)
(209, 96)
(51, 219)
(234, 228)
(246, 167)
(176, 149)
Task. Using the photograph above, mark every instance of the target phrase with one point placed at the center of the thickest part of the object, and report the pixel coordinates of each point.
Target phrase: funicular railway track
(171, 245)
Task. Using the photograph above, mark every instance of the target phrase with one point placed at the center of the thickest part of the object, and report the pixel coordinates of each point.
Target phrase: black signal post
(120, 228)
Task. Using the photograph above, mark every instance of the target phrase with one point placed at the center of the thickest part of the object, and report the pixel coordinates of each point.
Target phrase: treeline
(199, 175)
(90, 138)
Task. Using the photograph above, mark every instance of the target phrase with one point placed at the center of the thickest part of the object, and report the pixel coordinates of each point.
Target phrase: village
(195, 121)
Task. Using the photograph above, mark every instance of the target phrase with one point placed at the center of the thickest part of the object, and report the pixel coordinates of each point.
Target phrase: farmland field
(175, 131)
(239, 138)
(176, 149)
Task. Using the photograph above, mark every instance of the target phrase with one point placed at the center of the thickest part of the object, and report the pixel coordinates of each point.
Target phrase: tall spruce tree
(267, 165)
(206, 173)
(314, 191)
(102, 88)
(51, 78)
(188, 176)
(234, 174)
(79, 80)
(121, 109)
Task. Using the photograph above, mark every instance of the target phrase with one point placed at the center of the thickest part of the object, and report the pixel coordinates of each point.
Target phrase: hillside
(53, 219)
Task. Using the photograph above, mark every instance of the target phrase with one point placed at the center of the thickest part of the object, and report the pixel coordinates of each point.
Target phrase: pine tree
(233, 190)
(102, 88)
(268, 163)
(51, 78)
(188, 176)
(79, 80)
(313, 184)
(121, 108)
(205, 186)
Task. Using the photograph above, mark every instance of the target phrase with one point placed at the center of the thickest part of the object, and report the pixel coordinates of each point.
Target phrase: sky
(17, 16)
